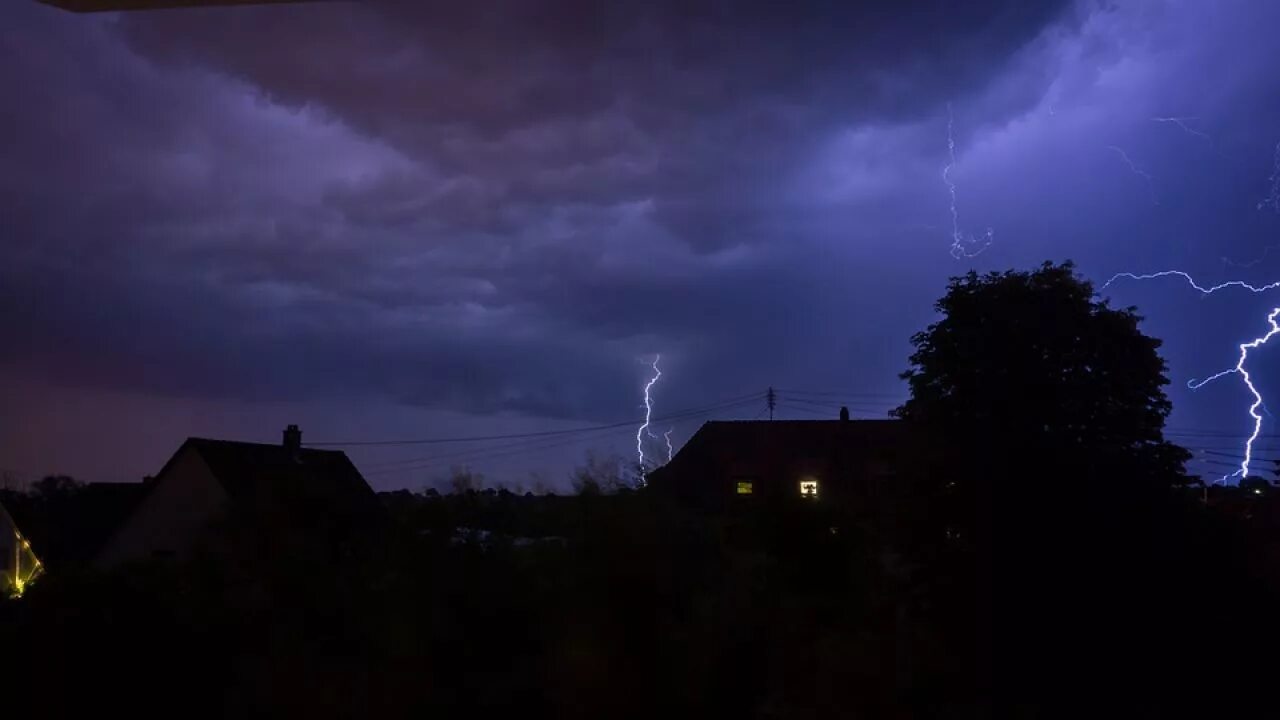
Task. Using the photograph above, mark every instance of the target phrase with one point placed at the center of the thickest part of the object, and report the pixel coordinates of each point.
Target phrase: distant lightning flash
(1272, 200)
(960, 242)
(1181, 122)
(1257, 342)
(1273, 197)
(648, 411)
(1252, 263)
(1137, 171)
(1239, 368)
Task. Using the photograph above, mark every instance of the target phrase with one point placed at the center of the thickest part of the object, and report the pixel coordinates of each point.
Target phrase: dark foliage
(1053, 516)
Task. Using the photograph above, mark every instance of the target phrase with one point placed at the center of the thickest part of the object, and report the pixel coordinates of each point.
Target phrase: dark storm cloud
(696, 106)
(481, 208)
(504, 208)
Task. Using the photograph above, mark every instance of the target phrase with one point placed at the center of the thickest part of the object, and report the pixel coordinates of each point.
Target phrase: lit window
(745, 487)
(809, 489)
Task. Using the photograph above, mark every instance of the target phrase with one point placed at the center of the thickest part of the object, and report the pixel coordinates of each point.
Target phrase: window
(745, 487)
(809, 488)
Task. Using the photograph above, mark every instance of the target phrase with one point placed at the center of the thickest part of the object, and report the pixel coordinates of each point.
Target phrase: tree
(599, 475)
(1032, 371)
(1046, 481)
(53, 488)
(463, 480)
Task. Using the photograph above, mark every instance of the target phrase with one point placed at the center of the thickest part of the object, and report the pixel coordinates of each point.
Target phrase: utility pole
(772, 398)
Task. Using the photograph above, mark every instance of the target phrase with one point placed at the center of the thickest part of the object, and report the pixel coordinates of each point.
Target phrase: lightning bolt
(1240, 369)
(648, 412)
(1181, 123)
(666, 437)
(960, 242)
(1191, 281)
(1137, 171)
(1273, 197)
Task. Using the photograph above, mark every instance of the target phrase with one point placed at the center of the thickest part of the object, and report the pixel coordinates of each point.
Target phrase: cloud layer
(500, 211)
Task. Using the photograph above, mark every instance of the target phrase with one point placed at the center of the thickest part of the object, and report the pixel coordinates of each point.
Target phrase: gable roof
(759, 438)
(316, 477)
(794, 436)
(768, 443)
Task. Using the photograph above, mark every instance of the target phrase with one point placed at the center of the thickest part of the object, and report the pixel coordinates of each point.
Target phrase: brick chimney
(293, 440)
(844, 414)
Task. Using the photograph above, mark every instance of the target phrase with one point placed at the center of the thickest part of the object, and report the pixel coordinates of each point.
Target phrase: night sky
(381, 221)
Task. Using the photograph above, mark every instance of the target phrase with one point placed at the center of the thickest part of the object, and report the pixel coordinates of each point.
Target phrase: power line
(1208, 434)
(1236, 456)
(526, 446)
(544, 433)
(529, 446)
(894, 397)
(825, 414)
(833, 405)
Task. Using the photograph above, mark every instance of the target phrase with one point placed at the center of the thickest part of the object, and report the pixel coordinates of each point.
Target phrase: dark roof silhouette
(765, 441)
(763, 437)
(305, 479)
(242, 467)
(772, 452)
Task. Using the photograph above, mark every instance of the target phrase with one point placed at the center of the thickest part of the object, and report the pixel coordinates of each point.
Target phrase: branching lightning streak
(1137, 171)
(666, 436)
(960, 242)
(1191, 281)
(1181, 123)
(1257, 342)
(1239, 368)
(648, 412)
(1273, 197)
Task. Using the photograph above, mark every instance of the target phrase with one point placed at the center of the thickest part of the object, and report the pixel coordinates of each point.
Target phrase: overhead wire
(542, 433)
(536, 445)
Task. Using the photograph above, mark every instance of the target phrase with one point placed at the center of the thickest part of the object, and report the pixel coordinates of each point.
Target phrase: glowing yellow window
(745, 487)
(809, 488)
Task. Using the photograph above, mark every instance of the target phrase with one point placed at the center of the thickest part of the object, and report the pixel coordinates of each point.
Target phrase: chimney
(293, 440)
(844, 414)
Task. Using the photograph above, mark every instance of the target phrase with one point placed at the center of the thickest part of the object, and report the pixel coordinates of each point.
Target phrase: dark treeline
(1043, 555)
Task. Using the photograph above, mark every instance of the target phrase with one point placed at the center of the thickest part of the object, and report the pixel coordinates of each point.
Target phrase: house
(768, 462)
(209, 482)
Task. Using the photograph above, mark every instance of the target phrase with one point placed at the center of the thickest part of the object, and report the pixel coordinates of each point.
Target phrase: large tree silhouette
(1046, 478)
(1032, 372)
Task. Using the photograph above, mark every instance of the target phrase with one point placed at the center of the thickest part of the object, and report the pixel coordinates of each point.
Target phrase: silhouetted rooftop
(244, 467)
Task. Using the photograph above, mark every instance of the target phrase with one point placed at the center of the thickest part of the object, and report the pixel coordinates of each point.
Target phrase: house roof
(765, 443)
(244, 469)
(793, 435)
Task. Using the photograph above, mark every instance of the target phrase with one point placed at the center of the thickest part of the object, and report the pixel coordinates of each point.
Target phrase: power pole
(772, 398)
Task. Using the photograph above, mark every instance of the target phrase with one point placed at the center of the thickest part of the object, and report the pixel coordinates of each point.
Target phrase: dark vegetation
(1046, 557)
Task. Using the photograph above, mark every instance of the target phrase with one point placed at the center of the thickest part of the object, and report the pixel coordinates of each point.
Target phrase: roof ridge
(221, 441)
